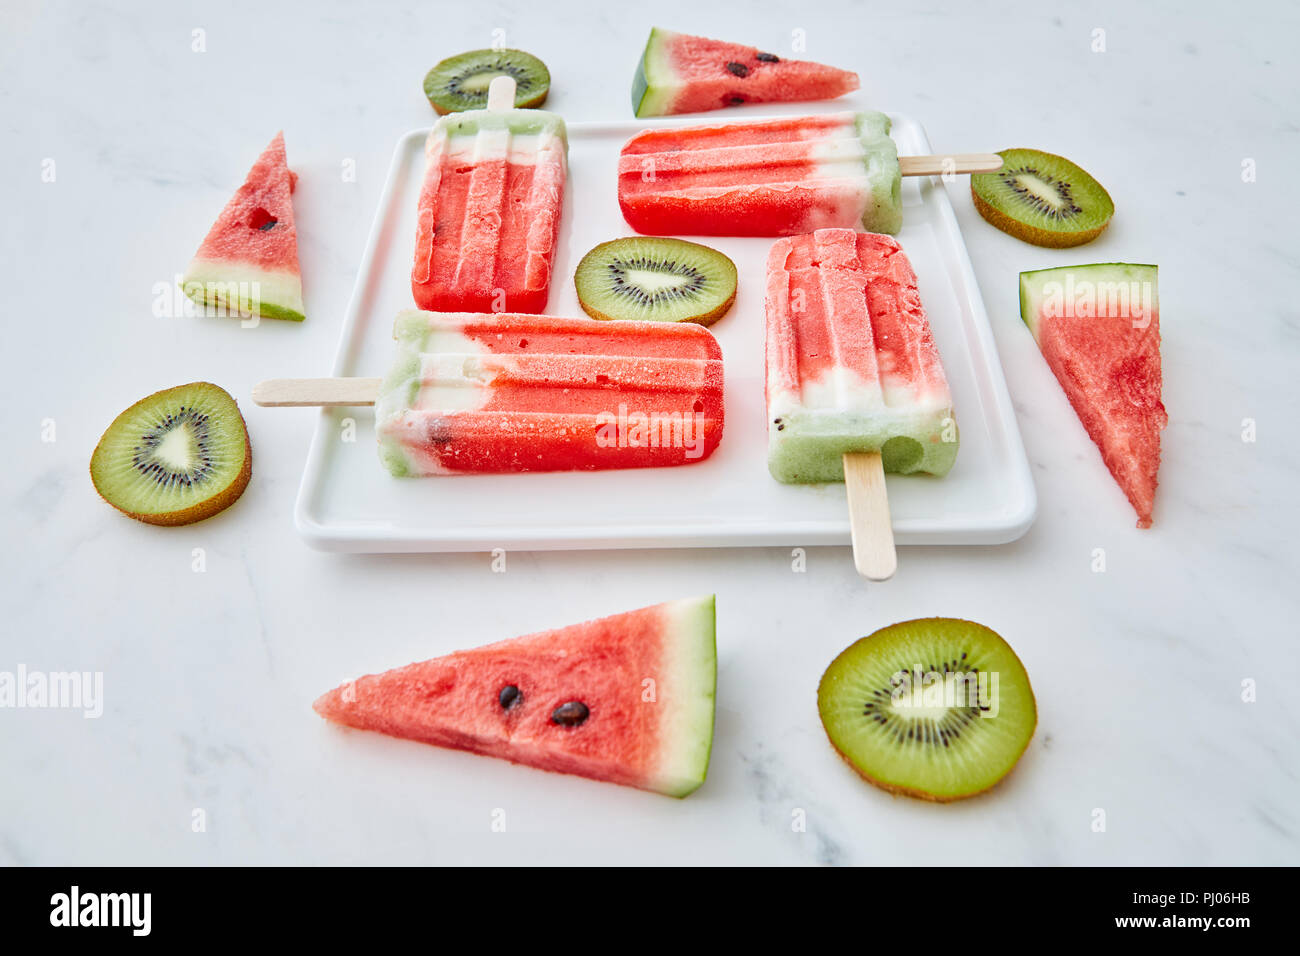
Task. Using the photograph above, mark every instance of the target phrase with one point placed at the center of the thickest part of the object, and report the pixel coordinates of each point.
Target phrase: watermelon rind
(515, 122)
(884, 212)
(400, 386)
(241, 289)
(1033, 284)
(656, 84)
(690, 676)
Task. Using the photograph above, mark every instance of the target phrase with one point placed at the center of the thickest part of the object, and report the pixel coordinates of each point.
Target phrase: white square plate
(349, 502)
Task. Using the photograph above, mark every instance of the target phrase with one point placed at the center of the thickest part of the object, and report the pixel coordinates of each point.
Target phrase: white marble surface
(208, 676)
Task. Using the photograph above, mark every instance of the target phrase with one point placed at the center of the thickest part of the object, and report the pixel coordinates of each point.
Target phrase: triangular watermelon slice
(679, 73)
(248, 264)
(627, 699)
(1098, 326)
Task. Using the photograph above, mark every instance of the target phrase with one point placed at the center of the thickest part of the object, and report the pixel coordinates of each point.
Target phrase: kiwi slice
(1042, 198)
(662, 280)
(176, 457)
(937, 708)
(461, 82)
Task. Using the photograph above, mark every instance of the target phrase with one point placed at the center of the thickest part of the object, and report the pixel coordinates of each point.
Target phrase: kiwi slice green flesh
(952, 732)
(461, 82)
(1043, 199)
(652, 279)
(175, 457)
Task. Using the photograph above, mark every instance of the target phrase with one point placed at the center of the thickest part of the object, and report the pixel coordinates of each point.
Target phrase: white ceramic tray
(348, 501)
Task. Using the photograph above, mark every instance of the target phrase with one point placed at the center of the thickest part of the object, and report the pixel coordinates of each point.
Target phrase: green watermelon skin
(248, 263)
(679, 73)
(1106, 355)
(647, 677)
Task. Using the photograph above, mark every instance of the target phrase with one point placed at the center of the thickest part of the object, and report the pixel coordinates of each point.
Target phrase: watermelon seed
(438, 432)
(739, 69)
(767, 58)
(693, 280)
(735, 100)
(509, 696)
(261, 220)
(571, 714)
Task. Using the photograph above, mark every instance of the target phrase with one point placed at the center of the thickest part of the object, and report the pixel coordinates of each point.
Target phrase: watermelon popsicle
(490, 207)
(780, 177)
(854, 380)
(472, 393)
(851, 363)
(509, 393)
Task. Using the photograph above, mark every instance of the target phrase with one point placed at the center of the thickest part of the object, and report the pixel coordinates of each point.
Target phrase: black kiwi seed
(1068, 208)
(739, 69)
(571, 714)
(509, 696)
(619, 268)
(767, 58)
(164, 475)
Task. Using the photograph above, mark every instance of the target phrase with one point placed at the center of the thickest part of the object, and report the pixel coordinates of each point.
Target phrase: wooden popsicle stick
(959, 163)
(321, 392)
(873, 534)
(501, 94)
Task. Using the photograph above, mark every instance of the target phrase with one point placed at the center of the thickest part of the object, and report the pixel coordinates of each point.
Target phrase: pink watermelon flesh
(1110, 370)
(680, 73)
(255, 239)
(645, 677)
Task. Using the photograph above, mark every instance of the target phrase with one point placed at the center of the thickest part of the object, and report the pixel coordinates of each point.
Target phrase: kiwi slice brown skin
(707, 318)
(206, 508)
(1091, 190)
(1008, 657)
(916, 793)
